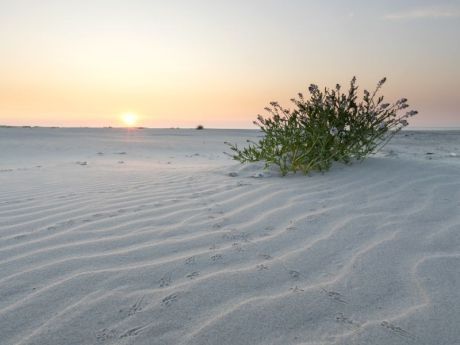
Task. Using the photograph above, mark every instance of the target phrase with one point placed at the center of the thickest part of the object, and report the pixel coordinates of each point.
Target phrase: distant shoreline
(410, 128)
(126, 128)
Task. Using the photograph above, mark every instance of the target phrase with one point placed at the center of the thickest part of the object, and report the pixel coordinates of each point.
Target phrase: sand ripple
(365, 254)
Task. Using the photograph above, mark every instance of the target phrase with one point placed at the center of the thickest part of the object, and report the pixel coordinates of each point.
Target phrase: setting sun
(129, 119)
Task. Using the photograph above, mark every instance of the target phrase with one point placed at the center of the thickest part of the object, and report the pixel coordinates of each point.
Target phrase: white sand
(148, 240)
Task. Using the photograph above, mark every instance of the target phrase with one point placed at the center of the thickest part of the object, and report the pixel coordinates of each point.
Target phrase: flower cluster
(328, 126)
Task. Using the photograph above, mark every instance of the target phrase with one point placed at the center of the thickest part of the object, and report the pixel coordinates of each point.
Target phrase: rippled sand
(157, 237)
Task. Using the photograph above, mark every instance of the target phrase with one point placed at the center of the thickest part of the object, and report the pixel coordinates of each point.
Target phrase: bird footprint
(168, 300)
(335, 296)
(165, 280)
(136, 307)
(395, 329)
(193, 275)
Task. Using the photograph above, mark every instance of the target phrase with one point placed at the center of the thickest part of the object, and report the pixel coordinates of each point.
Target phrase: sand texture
(110, 236)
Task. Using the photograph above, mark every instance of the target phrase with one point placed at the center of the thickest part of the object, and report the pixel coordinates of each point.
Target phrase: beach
(156, 236)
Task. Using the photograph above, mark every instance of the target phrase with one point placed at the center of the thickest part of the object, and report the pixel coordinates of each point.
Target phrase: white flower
(333, 131)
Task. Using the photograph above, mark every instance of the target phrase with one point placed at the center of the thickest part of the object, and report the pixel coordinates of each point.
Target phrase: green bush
(329, 126)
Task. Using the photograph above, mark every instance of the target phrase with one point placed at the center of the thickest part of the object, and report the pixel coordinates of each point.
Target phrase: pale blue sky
(178, 63)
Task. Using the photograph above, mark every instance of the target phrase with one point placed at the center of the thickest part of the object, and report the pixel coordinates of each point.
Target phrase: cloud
(423, 13)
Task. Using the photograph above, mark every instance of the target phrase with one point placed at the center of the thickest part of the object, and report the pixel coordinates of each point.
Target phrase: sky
(219, 63)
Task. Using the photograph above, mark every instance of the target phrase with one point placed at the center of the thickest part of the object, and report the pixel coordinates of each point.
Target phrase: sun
(129, 119)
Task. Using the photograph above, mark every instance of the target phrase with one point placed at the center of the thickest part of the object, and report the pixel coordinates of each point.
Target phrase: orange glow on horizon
(176, 65)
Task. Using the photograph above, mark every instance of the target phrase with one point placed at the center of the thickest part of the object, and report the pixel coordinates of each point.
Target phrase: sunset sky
(218, 63)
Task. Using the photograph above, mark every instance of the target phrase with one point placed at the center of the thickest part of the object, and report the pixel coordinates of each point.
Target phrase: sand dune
(167, 248)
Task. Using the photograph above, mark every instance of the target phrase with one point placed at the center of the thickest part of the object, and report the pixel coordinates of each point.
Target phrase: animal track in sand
(262, 267)
(267, 231)
(216, 257)
(193, 275)
(133, 331)
(296, 289)
(236, 236)
(165, 280)
(136, 307)
(335, 296)
(265, 256)
(341, 318)
(105, 334)
(168, 300)
(295, 275)
(190, 260)
(396, 330)
(237, 247)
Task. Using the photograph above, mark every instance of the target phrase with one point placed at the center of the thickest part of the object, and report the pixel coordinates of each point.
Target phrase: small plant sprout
(329, 126)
